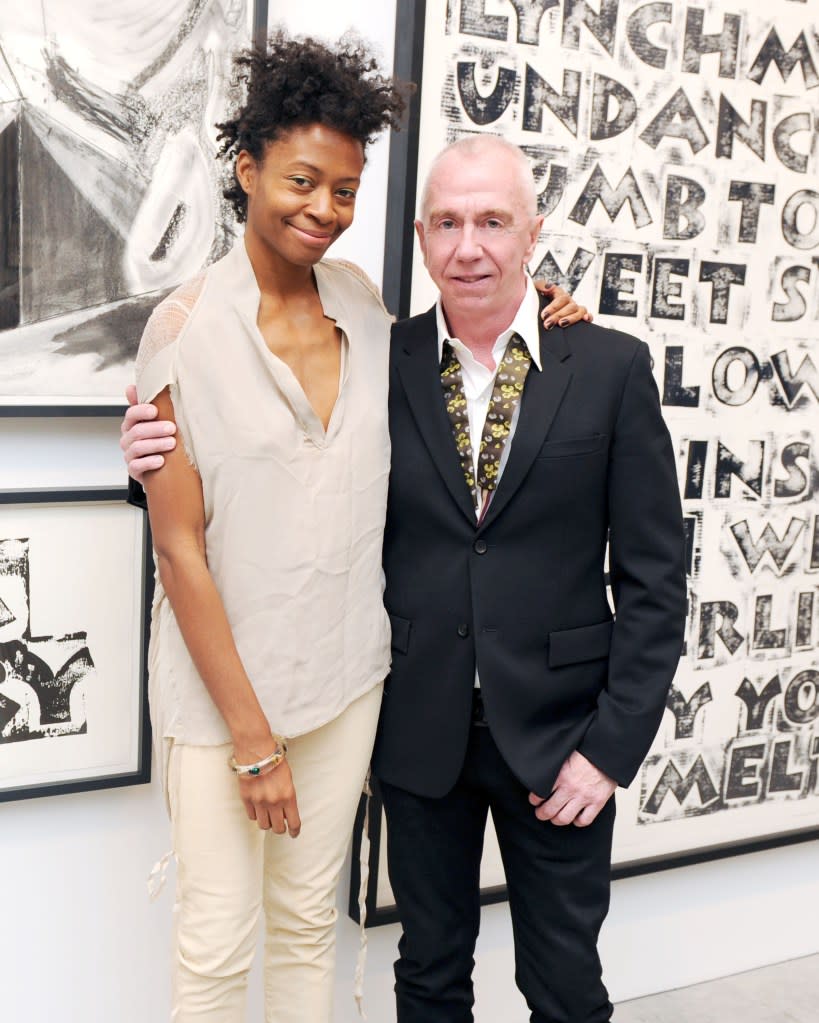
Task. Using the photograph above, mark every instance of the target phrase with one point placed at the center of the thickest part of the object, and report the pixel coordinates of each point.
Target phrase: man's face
(478, 231)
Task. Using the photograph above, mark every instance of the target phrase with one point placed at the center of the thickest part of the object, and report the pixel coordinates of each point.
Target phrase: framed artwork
(672, 153)
(76, 578)
(111, 189)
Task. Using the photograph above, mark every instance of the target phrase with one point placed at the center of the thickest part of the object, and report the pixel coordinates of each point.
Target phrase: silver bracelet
(254, 770)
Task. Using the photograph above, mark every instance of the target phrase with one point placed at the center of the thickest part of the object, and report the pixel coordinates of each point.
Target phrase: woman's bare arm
(177, 514)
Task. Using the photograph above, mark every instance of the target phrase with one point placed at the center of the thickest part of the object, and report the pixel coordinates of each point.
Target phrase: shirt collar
(526, 324)
(246, 295)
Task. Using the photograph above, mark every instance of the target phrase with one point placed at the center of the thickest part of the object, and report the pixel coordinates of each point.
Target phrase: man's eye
(494, 224)
(446, 225)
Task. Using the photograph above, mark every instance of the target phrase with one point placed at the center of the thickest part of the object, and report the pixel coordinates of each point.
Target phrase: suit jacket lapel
(419, 369)
(541, 398)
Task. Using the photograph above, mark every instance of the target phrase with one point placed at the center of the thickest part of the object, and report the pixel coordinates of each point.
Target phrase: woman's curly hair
(299, 82)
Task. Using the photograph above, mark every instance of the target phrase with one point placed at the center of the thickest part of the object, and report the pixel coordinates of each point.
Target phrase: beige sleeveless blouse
(294, 516)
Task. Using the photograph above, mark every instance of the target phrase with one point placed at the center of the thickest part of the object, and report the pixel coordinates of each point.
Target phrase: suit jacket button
(479, 547)
(463, 630)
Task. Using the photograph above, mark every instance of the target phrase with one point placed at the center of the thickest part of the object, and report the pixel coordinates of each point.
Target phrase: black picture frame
(104, 516)
(260, 26)
(83, 240)
(63, 411)
(399, 235)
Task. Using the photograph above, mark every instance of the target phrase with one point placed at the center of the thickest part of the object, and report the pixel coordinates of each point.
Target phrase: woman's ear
(246, 171)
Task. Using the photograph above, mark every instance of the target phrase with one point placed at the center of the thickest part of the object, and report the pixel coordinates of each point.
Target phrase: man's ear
(422, 238)
(534, 234)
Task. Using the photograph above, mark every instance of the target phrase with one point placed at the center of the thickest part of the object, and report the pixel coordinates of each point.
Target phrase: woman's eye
(347, 193)
(302, 182)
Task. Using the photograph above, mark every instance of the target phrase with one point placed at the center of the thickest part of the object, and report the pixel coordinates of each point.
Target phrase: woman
(267, 526)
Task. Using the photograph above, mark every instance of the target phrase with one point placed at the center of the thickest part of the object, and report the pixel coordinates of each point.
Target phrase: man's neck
(480, 329)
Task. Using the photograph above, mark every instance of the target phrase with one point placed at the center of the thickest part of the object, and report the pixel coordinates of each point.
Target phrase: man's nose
(468, 243)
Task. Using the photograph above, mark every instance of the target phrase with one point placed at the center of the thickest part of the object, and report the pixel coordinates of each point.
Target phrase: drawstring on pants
(159, 875)
(364, 873)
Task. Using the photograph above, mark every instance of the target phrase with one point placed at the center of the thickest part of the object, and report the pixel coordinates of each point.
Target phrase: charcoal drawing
(109, 187)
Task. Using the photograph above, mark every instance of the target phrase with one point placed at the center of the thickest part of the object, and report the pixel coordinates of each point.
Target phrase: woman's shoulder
(169, 317)
(166, 323)
(349, 273)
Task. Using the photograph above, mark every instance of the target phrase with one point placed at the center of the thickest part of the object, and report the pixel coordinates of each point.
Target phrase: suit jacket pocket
(572, 646)
(400, 633)
(575, 446)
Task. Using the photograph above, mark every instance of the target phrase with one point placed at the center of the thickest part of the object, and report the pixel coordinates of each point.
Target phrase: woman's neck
(276, 277)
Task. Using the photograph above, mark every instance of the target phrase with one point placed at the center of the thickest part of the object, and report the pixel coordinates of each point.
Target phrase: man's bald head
(476, 147)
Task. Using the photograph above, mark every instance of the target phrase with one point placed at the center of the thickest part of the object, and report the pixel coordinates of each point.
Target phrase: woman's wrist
(249, 747)
(259, 768)
(250, 763)
(253, 740)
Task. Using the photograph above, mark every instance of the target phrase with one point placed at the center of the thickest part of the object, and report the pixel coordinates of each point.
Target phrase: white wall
(79, 941)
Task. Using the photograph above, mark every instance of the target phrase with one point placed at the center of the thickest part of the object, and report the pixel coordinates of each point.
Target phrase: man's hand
(563, 309)
(580, 793)
(144, 438)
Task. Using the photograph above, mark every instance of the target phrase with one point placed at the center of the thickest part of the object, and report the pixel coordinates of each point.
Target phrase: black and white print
(73, 603)
(42, 678)
(110, 186)
(676, 154)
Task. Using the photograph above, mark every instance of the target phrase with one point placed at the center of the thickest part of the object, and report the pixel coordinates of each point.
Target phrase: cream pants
(229, 870)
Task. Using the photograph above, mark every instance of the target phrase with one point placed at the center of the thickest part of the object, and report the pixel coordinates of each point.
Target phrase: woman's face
(301, 195)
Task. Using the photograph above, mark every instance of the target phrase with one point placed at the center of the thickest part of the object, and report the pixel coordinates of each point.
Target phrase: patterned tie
(509, 381)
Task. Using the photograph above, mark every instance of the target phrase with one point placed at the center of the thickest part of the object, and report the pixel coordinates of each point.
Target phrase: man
(511, 687)
(517, 453)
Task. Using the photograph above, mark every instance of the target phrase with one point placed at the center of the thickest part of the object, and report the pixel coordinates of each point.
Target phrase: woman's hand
(270, 799)
(562, 310)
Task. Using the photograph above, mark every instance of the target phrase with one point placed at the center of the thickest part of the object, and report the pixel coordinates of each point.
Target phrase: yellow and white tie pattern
(508, 387)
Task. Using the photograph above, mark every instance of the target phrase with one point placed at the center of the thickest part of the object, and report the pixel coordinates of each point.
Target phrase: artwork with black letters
(675, 153)
(74, 593)
(111, 188)
(42, 678)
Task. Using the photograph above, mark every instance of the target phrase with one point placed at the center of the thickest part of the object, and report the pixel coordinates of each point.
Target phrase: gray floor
(786, 993)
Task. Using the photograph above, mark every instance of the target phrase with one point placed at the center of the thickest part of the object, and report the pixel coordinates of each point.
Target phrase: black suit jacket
(523, 595)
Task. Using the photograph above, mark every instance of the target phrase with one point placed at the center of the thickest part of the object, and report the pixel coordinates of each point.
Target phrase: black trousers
(558, 883)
